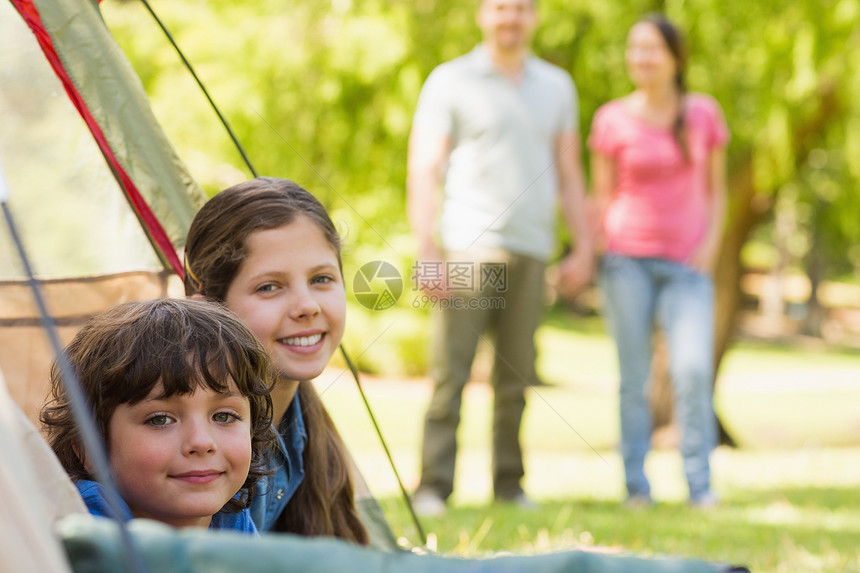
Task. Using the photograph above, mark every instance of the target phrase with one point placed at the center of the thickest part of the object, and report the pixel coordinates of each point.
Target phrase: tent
(45, 495)
(98, 197)
(125, 154)
(79, 197)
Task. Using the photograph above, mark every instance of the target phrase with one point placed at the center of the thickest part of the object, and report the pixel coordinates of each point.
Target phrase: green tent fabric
(109, 96)
(374, 520)
(92, 546)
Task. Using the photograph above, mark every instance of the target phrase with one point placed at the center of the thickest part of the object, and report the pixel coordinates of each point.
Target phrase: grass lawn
(790, 492)
(791, 529)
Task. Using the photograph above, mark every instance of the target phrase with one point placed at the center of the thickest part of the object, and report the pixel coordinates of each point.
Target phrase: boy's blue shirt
(287, 464)
(94, 498)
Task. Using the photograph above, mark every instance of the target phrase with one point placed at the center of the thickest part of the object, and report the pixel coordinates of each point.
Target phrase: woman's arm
(704, 259)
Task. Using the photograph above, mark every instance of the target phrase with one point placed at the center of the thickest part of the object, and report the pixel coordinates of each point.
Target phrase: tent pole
(89, 433)
(403, 491)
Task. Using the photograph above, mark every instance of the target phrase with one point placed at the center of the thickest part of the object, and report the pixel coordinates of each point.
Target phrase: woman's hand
(704, 258)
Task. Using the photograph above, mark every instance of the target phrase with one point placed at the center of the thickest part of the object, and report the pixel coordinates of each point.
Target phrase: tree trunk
(747, 210)
(661, 388)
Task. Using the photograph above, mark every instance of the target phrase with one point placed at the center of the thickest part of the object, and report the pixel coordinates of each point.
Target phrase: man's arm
(602, 187)
(577, 268)
(428, 153)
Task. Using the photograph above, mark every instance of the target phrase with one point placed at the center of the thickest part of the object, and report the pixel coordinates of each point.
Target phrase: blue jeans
(637, 291)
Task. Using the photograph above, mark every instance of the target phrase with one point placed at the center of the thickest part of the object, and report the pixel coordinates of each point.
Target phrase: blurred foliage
(323, 93)
(68, 208)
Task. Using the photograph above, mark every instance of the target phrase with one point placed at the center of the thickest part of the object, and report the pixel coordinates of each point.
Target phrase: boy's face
(290, 293)
(178, 460)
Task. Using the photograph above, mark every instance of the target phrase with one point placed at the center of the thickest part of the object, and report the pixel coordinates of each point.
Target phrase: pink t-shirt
(659, 205)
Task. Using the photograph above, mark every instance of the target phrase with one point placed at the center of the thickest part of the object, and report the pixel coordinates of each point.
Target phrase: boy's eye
(159, 420)
(224, 417)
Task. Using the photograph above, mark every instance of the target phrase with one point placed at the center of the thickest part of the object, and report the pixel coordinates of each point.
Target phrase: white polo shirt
(501, 182)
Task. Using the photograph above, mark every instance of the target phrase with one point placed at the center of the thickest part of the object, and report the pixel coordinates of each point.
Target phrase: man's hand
(575, 271)
(431, 273)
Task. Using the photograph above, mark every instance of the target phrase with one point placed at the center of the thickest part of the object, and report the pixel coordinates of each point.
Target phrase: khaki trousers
(512, 314)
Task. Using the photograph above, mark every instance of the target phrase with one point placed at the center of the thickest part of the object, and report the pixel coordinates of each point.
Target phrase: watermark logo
(452, 276)
(459, 285)
(377, 285)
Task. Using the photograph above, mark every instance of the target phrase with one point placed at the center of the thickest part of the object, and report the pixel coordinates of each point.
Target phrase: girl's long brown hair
(327, 482)
(324, 504)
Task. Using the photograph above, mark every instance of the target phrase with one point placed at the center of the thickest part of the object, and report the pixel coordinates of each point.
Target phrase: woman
(658, 169)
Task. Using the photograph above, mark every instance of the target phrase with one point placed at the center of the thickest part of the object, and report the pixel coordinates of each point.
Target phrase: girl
(268, 250)
(180, 392)
(658, 168)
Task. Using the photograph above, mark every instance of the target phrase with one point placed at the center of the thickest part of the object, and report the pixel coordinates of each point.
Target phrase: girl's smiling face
(289, 291)
(180, 459)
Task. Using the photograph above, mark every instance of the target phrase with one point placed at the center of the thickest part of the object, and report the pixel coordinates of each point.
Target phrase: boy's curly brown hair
(121, 354)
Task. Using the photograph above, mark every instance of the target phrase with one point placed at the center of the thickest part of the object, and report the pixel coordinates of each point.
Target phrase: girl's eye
(268, 287)
(159, 420)
(323, 279)
(224, 417)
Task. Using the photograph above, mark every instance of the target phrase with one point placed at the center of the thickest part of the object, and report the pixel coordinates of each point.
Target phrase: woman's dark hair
(323, 504)
(678, 48)
(120, 355)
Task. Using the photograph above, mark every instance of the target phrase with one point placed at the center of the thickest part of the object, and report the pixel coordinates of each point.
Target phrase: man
(499, 127)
